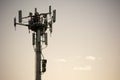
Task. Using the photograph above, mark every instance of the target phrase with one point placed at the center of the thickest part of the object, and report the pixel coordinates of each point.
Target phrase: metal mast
(38, 24)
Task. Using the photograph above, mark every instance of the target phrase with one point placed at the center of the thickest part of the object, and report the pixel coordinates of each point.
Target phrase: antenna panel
(33, 38)
(50, 24)
(54, 15)
(20, 16)
(30, 14)
(15, 22)
(46, 39)
(50, 9)
(35, 10)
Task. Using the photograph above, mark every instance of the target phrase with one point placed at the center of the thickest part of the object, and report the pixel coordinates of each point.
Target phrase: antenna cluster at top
(42, 21)
(37, 21)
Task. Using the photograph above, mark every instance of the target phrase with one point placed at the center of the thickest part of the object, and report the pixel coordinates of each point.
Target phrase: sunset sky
(85, 44)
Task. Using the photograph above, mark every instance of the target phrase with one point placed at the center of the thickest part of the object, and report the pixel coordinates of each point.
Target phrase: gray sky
(85, 44)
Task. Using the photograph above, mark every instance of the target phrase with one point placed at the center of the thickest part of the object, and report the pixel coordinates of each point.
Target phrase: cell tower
(38, 23)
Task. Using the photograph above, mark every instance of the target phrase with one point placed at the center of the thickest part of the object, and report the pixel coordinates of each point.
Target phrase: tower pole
(38, 55)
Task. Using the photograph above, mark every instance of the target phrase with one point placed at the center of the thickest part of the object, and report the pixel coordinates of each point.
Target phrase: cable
(41, 52)
(42, 55)
(34, 48)
(44, 47)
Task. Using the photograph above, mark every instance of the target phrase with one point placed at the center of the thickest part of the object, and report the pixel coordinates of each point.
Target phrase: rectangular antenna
(35, 10)
(54, 15)
(33, 38)
(50, 9)
(14, 22)
(20, 16)
(46, 39)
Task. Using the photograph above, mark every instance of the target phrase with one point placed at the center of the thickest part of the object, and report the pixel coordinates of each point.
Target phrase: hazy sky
(85, 44)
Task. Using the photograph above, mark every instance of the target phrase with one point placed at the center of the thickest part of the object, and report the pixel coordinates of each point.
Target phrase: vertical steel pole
(38, 55)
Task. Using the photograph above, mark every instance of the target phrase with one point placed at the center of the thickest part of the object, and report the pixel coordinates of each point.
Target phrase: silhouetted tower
(38, 24)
